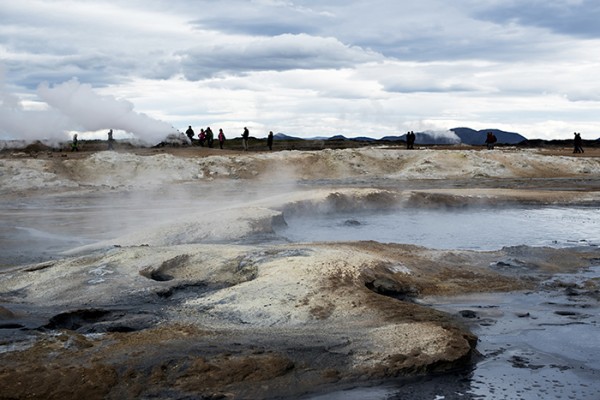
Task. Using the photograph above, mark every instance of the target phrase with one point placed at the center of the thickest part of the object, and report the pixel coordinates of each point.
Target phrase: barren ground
(203, 306)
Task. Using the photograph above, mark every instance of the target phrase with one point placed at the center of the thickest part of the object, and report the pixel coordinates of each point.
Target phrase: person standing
(245, 137)
(209, 137)
(75, 144)
(221, 139)
(577, 143)
(202, 137)
(490, 140)
(190, 133)
(410, 140)
(110, 140)
(270, 140)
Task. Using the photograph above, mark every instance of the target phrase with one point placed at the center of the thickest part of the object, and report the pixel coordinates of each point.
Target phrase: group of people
(410, 140)
(206, 137)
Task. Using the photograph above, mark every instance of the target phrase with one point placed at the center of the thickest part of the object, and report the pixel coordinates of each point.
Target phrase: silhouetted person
(410, 140)
(110, 140)
(209, 136)
(190, 133)
(245, 137)
(221, 139)
(270, 140)
(202, 137)
(75, 144)
(577, 143)
(490, 139)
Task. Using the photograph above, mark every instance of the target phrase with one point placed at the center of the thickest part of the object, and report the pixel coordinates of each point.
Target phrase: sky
(146, 68)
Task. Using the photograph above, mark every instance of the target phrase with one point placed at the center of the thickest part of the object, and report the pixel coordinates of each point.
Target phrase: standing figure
(270, 140)
(221, 139)
(190, 133)
(245, 137)
(75, 144)
(202, 137)
(577, 143)
(110, 140)
(209, 136)
(410, 140)
(490, 140)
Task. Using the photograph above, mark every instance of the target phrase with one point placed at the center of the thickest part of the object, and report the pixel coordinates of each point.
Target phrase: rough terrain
(210, 304)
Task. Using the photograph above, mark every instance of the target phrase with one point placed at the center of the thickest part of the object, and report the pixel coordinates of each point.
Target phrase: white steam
(73, 106)
(446, 136)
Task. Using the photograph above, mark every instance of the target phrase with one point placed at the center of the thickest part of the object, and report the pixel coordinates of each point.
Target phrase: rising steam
(73, 106)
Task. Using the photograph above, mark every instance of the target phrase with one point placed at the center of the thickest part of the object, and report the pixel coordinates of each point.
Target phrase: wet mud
(186, 291)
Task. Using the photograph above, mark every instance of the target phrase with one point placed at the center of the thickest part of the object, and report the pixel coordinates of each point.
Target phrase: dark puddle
(534, 345)
(185, 291)
(96, 320)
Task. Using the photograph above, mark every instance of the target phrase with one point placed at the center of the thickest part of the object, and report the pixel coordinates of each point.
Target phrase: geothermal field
(364, 273)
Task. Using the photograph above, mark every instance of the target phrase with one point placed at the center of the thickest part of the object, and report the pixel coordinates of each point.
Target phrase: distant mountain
(473, 137)
(337, 137)
(461, 135)
(393, 138)
(428, 138)
(453, 136)
(283, 136)
(364, 139)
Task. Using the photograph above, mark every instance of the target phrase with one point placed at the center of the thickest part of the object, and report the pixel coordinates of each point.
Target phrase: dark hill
(452, 136)
(283, 136)
(337, 137)
(473, 137)
(426, 138)
(465, 135)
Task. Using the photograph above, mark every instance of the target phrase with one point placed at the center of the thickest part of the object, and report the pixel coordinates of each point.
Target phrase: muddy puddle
(532, 345)
(38, 229)
(471, 228)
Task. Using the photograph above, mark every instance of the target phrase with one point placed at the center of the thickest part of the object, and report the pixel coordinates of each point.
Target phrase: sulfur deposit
(180, 285)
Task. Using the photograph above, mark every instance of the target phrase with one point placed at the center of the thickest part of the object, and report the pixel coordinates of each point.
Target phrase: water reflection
(534, 345)
(472, 228)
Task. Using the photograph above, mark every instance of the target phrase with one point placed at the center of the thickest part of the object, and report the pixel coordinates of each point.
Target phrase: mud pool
(470, 229)
(38, 230)
(533, 345)
(537, 345)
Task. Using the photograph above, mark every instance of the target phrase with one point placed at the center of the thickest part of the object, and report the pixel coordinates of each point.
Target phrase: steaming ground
(167, 277)
(156, 167)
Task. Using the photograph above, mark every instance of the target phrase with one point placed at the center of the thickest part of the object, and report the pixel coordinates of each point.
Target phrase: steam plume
(75, 107)
(93, 112)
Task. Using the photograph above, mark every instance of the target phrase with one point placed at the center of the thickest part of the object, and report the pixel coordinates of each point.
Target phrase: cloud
(570, 17)
(279, 53)
(352, 67)
(261, 18)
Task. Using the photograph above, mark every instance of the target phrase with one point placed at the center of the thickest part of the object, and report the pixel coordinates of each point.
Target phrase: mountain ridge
(461, 135)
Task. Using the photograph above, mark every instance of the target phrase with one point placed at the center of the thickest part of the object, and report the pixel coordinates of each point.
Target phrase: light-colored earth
(199, 305)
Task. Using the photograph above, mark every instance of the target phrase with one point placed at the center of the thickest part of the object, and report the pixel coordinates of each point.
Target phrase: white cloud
(304, 68)
(278, 53)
